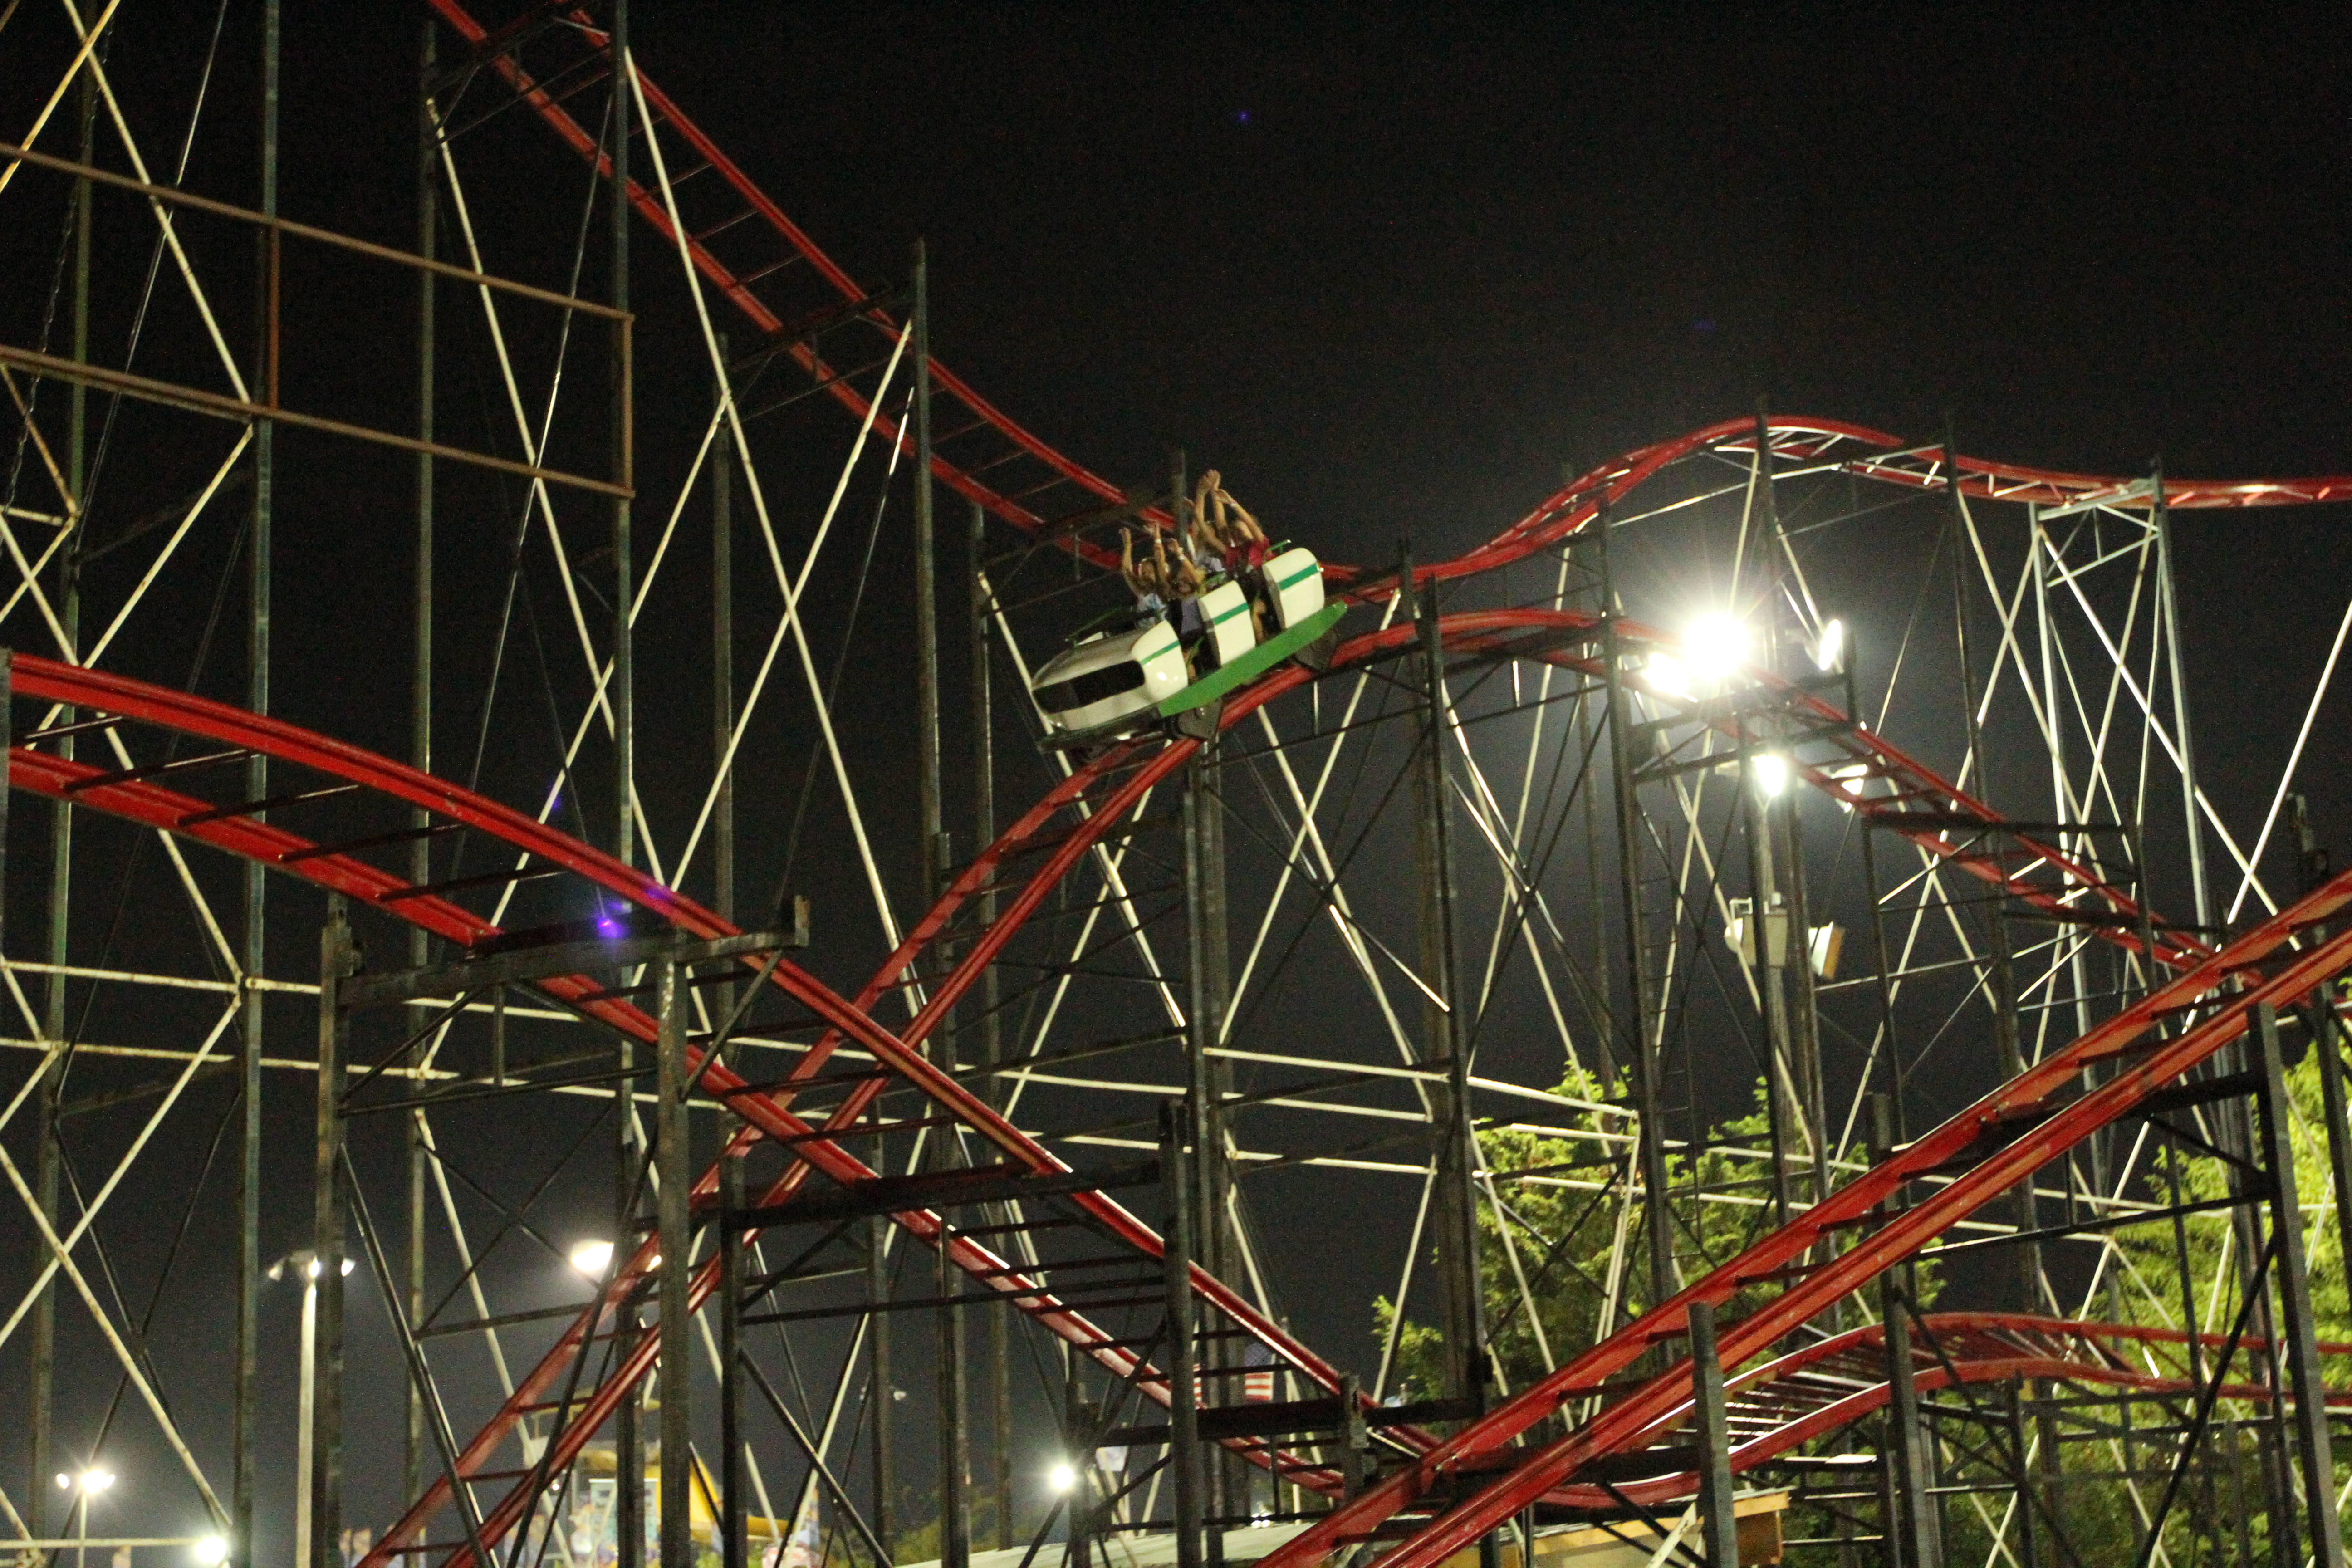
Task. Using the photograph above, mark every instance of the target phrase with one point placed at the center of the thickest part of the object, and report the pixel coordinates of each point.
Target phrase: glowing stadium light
(591, 1257)
(1716, 645)
(210, 1551)
(1829, 648)
(1770, 771)
(1062, 1477)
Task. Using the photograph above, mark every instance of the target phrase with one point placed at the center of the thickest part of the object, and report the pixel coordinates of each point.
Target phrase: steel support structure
(1064, 898)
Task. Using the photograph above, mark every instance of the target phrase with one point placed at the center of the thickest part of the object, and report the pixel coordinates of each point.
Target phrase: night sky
(1391, 269)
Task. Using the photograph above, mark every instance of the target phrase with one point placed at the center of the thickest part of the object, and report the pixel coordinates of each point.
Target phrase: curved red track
(1780, 1405)
(1103, 791)
(757, 286)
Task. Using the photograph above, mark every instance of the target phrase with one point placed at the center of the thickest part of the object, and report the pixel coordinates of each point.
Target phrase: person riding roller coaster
(1216, 605)
(1217, 540)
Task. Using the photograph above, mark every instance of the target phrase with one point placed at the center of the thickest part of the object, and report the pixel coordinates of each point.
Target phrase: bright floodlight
(65, 1482)
(210, 1551)
(1770, 771)
(1062, 1477)
(1667, 676)
(591, 1257)
(1831, 647)
(1716, 645)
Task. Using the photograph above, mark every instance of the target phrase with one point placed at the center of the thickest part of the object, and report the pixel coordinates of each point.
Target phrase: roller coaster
(1658, 817)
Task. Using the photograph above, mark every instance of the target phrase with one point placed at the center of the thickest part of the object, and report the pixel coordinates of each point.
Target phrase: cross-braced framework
(1648, 975)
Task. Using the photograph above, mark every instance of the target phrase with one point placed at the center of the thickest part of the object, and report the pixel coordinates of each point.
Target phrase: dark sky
(1390, 267)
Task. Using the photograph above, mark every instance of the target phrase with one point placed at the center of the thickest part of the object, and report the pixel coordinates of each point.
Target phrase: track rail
(1984, 1150)
(1780, 1406)
(1101, 795)
(582, 49)
(143, 800)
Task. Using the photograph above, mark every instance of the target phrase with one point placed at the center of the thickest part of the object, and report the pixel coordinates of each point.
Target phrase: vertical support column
(999, 1368)
(1176, 1257)
(1767, 928)
(624, 683)
(926, 606)
(1784, 979)
(253, 951)
(1447, 1039)
(338, 959)
(420, 713)
(628, 1440)
(2308, 1427)
(2327, 1040)
(2028, 1552)
(2160, 519)
(2037, 545)
(880, 1389)
(1914, 1528)
(42, 1373)
(723, 675)
(1805, 1017)
(732, 1502)
(676, 1243)
(1718, 1519)
(1078, 1423)
(954, 1460)
(2002, 991)
(1202, 1093)
(955, 1448)
(1641, 1053)
(628, 1436)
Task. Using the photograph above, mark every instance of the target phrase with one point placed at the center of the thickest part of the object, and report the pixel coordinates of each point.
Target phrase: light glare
(1715, 645)
(1770, 771)
(210, 1551)
(1831, 648)
(1668, 677)
(1062, 1477)
(591, 1257)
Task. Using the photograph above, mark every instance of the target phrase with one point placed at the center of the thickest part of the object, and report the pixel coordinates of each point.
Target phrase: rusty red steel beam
(739, 291)
(1471, 633)
(1560, 516)
(1977, 1348)
(153, 805)
(2054, 1101)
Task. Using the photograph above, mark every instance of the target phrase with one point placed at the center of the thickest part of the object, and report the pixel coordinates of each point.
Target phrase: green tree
(1555, 1226)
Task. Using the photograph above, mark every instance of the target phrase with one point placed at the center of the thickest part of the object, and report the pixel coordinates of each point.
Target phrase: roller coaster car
(1120, 683)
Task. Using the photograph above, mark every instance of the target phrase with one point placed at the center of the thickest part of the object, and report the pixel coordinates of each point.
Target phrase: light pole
(304, 1264)
(84, 1487)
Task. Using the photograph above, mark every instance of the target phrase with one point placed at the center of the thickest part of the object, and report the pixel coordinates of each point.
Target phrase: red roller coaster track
(1777, 1406)
(1103, 793)
(1984, 1150)
(1823, 443)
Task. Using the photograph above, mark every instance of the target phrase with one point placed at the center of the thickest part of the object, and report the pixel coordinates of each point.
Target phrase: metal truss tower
(1648, 984)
